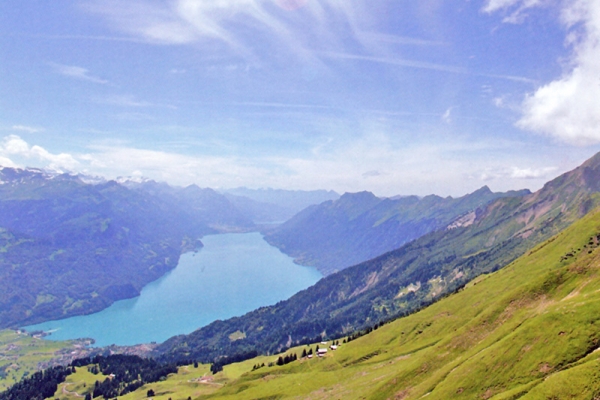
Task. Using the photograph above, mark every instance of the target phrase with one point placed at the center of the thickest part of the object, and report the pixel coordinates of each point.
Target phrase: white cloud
(517, 173)
(567, 108)
(76, 72)
(16, 147)
(531, 173)
(7, 162)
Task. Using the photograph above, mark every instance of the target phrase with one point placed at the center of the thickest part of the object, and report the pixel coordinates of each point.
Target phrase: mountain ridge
(360, 226)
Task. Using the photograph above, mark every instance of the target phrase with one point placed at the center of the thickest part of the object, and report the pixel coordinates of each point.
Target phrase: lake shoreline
(226, 279)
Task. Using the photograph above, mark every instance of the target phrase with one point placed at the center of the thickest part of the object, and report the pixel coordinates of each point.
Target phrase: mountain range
(501, 307)
(360, 226)
(491, 270)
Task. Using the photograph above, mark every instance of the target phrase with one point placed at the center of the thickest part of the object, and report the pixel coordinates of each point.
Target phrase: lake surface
(231, 275)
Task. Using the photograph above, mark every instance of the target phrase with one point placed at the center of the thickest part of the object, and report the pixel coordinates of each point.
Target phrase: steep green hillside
(529, 331)
(404, 280)
(360, 226)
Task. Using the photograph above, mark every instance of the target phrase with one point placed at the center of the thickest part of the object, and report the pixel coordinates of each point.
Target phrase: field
(22, 354)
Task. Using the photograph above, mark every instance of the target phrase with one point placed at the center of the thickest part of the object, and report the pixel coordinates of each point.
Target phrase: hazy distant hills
(267, 206)
(406, 279)
(359, 226)
(201, 206)
(68, 247)
(73, 245)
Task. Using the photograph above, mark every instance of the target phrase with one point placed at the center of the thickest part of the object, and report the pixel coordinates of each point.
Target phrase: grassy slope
(188, 382)
(23, 355)
(527, 331)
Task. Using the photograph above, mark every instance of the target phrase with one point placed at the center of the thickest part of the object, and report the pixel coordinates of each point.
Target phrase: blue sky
(391, 96)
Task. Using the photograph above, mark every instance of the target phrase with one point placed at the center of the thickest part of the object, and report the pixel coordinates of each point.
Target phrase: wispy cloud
(515, 10)
(130, 101)
(134, 116)
(124, 101)
(282, 105)
(234, 26)
(25, 128)
(76, 72)
(422, 65)
(447, 116)
(520, 79)
(397, 61)
(372, 37)
(84, 38)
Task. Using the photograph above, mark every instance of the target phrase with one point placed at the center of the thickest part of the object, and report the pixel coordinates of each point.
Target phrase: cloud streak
(398, 62)
(78, 73)
(25, 128)
(278, 25)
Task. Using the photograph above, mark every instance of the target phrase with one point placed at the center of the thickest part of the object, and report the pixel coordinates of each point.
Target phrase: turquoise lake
(231, 275)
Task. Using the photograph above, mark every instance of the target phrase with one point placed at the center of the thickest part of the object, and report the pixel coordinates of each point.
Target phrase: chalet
(321, 352)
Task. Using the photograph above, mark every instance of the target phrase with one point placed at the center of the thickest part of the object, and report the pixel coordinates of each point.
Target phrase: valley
(417, 315)
(299, 200)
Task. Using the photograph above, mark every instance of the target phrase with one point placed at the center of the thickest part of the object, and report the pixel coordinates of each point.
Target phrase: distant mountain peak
(592, 162)
(364, 195)
(483, 189)
(358, 202)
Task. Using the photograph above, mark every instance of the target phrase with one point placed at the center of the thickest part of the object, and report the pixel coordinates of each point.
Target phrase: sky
(396, 97)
